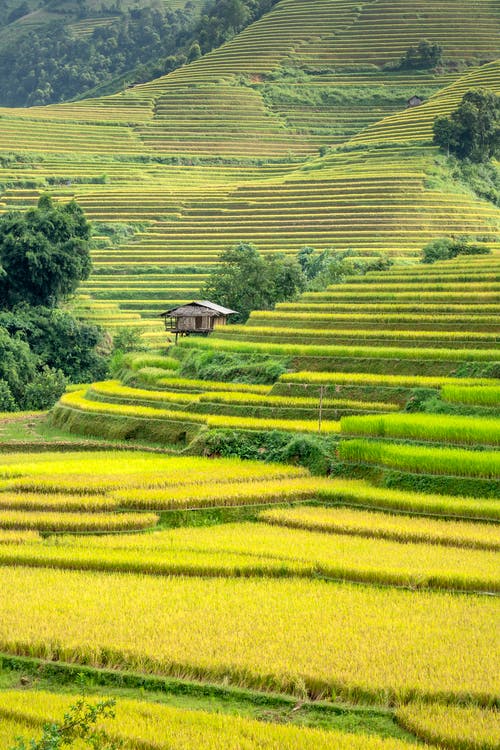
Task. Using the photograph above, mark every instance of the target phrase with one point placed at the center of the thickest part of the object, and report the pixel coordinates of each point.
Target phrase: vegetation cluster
(44, 255)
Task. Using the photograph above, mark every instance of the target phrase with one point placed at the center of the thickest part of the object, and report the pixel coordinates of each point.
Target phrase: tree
(424, 56)
(473, 130)
(446, 249)
(44, 254)
(244, 280)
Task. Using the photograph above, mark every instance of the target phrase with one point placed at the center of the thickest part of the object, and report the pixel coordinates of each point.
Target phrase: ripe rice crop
(422, 459)
(114, 389)
(396, 381)
(375, 352)
(364, 495)
(460, 727)
(483, 396)
(291, 401)
(58, 501)
(311, 332)
(285, 425)
(361, 643)
(268, 550)
(427, 427)
(386, 526)
(78, 401)
(57, 521)
(189, 384)
(142, 724)
(17, 537)
(77, 481)
(220, 494)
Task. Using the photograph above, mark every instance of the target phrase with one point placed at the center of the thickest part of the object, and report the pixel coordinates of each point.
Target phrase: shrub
(446, 249)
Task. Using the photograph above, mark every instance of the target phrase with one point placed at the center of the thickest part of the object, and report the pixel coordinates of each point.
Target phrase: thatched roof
(194, 309)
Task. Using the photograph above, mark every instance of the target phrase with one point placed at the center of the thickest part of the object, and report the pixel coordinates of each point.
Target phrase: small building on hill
(414, 101)
(196, 318)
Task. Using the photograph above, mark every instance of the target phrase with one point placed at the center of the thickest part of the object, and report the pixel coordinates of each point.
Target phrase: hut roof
(199, 307)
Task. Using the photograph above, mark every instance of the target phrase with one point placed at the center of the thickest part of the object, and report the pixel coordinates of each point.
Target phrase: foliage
(322, 269)
(473, 130)
(423, 56)
(482, 178)
(446, 249)
(59, 341)
(79, 723)
(221, 366)
(44, 253)
(43, 257)
(48, 64)
(244, 280)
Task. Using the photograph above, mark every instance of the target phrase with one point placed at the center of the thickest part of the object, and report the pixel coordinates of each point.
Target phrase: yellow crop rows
(386, 526)
(163, 727)
(467, 727)
(221, 628)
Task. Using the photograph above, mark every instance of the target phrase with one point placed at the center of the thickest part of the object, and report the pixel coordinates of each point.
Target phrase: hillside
(284, 535)
(59, 51)
(228, 147)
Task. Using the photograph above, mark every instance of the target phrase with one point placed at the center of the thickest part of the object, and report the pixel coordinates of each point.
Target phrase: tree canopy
(44, 254)
(245, 280)
(423, 56)
(473, 130)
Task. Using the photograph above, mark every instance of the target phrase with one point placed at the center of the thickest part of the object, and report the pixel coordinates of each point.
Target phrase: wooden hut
(414, 101)
(196, 318)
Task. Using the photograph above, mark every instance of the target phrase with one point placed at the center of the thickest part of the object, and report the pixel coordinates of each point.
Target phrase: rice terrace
(249, 374)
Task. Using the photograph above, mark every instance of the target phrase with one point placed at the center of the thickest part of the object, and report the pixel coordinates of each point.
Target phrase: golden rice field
(373, 586)
(362, 643)
(386, 526)
(253, 550)
(160, 727)
(453, 726)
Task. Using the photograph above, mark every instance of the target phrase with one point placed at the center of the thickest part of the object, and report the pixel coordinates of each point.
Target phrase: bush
(203, 364)
(45, 389)
(424, 56)
(446, 249)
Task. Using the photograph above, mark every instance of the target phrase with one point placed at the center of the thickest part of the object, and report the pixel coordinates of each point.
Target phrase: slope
(226, 149)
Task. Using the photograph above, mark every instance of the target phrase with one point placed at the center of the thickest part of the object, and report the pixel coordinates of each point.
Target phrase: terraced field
(226, 148)
(336, 587)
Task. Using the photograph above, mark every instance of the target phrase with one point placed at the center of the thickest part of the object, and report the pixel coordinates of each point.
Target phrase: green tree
(244, 280)
(424, 56)
(473, 130)
(446, 249)
(44, 253)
